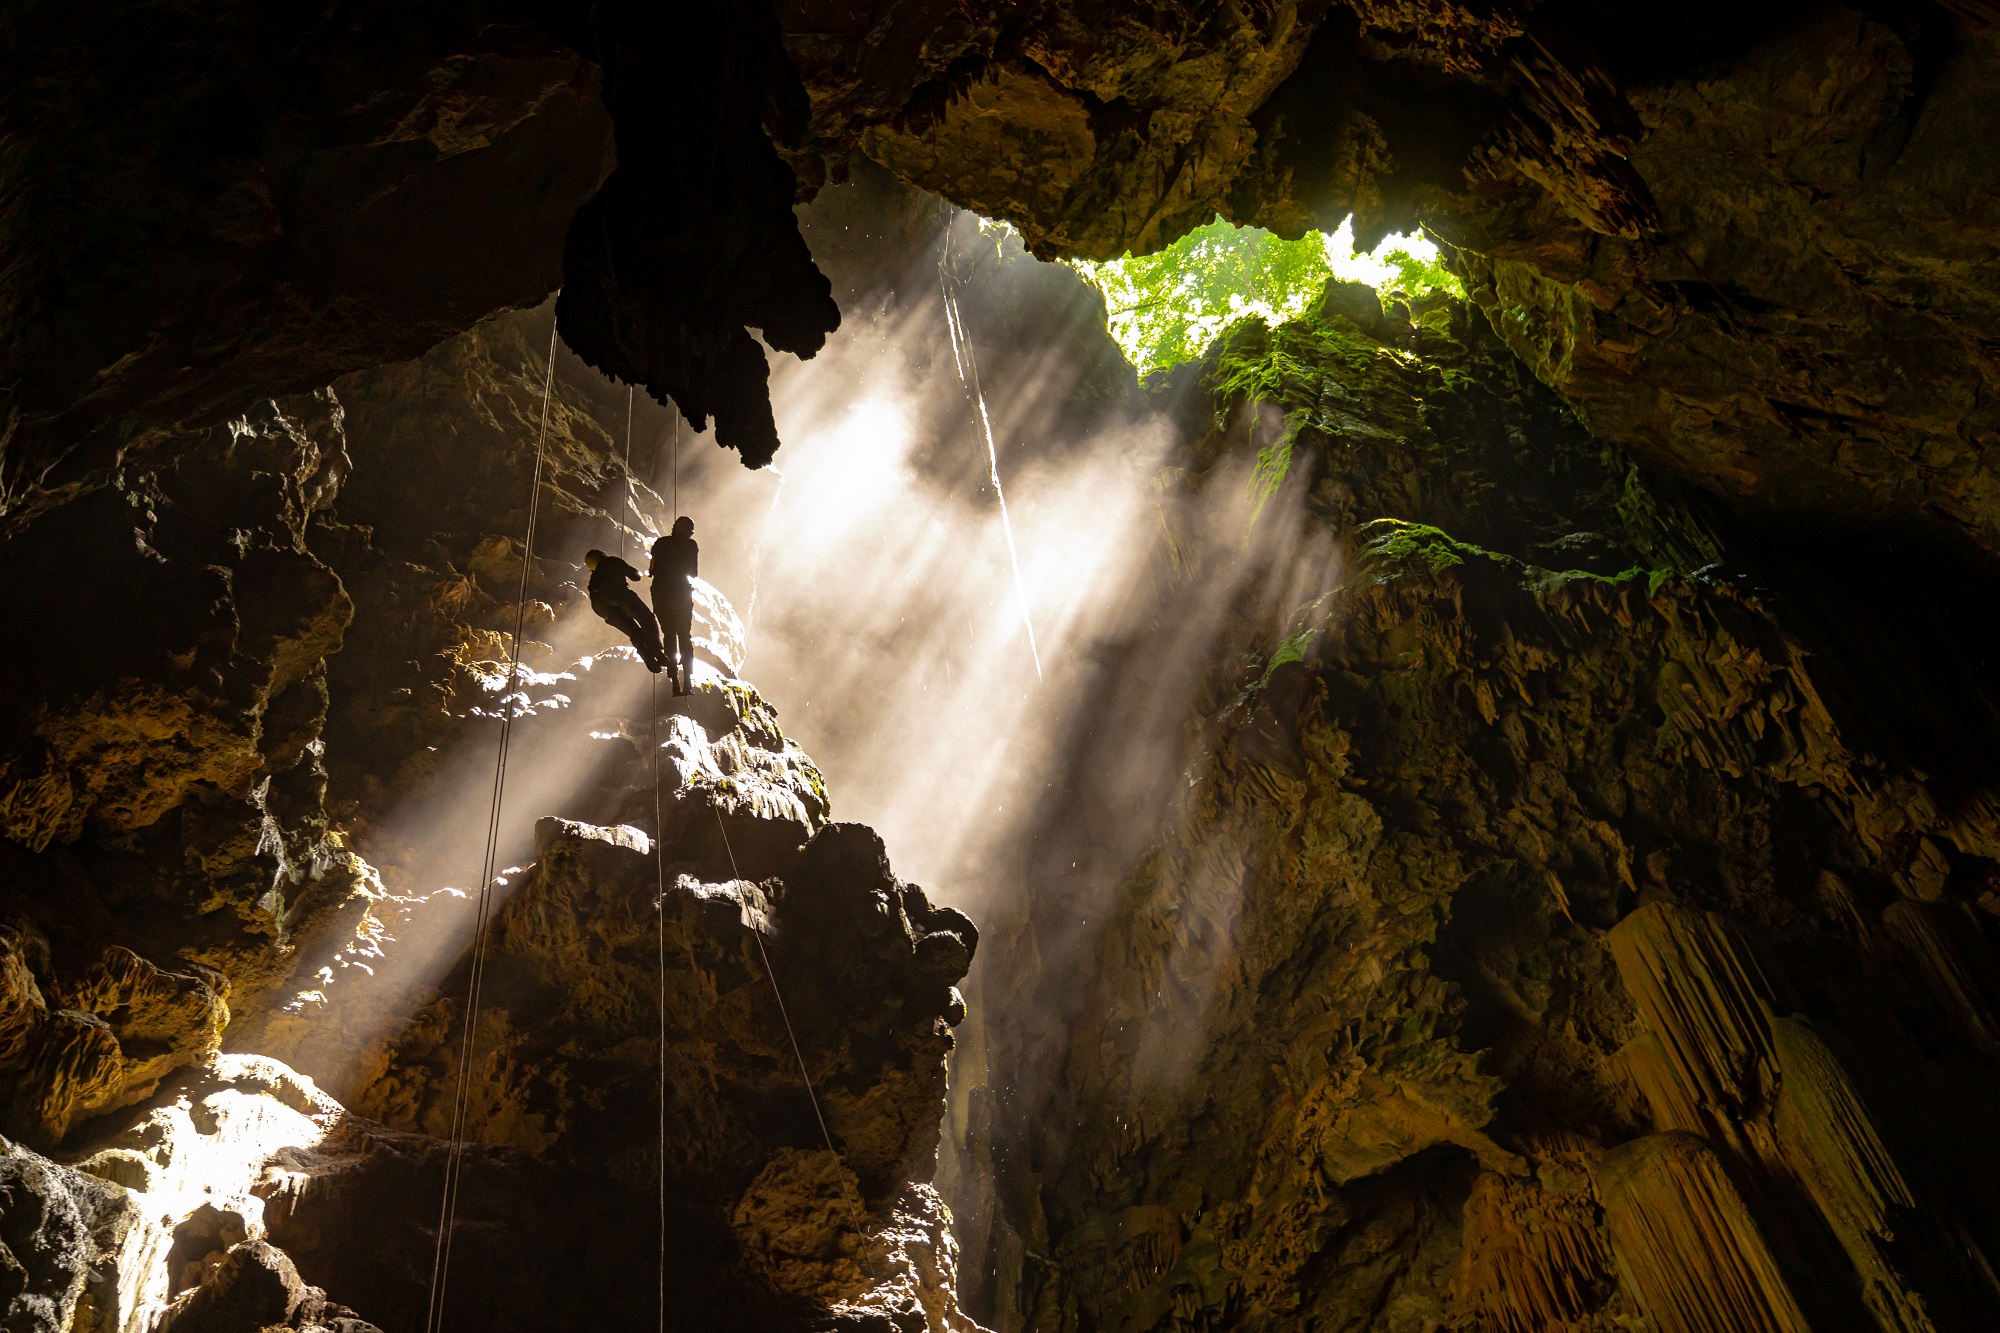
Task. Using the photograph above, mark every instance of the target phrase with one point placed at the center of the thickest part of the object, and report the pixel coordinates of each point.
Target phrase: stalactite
(1830, 1141)
(1535, 1257)
(1703, 996)
(1951, 957)
(1675, 1103)
(1687, 1248)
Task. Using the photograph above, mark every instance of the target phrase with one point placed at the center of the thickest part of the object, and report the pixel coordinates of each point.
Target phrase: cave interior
(1406, 574)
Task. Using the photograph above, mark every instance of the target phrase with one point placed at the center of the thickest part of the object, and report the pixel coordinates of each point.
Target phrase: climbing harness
(968, 375)
(455, 1145)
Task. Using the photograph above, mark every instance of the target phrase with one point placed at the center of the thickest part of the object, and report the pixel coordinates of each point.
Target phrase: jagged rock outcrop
(1749, 245)
(210, 206)
(65, 1236)
(197, 885)
(162, 783)
(1806, 328)
(566, 1077)
(259, 1194)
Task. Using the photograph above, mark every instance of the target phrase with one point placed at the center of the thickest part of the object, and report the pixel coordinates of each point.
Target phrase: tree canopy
(1167, 307)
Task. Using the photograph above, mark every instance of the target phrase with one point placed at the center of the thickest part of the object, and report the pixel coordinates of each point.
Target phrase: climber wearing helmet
(675, 563)
(621, 608)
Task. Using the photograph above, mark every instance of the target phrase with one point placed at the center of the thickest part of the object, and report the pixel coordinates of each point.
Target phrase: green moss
(1542, 582)
(1257, 364)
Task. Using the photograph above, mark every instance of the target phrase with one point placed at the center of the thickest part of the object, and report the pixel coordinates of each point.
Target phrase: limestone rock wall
(1543, 945)
(1806, 328)
(1752, 244)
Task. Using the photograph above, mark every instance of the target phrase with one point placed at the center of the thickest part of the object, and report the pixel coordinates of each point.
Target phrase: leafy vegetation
(1398, 539)
(1166, 308)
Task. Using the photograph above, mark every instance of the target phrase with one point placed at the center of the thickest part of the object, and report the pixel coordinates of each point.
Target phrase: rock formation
(209, 824)
(1575, 908)
(1484, 977)
(1746, 244)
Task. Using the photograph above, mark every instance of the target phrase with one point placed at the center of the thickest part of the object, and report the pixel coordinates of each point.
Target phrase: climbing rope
(660, 905)
(968, 375)
(625, 469)
(805, 1075)
(455, 1145)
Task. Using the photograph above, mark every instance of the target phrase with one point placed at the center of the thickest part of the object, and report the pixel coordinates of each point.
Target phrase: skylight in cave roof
(1167, 307)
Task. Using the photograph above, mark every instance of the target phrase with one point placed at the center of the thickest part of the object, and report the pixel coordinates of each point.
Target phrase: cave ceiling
(1753, 243)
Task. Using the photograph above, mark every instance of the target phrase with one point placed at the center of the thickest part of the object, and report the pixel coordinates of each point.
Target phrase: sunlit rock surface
(242, 1195)
(564, 1091)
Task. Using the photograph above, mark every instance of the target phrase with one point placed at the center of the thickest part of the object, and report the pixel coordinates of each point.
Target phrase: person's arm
(694, 558)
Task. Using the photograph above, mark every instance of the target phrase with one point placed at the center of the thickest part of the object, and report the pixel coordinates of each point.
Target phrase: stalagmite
(1687, 1248)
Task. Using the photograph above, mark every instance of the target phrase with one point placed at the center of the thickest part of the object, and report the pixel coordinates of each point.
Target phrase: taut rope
(455, 1149)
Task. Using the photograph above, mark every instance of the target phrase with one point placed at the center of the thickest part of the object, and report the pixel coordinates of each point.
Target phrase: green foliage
(1436, 548)
(1414, 274)
(1166, 308)
(1294, 647)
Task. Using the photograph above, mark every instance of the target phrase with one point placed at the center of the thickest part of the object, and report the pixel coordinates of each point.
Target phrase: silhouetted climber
(621, 608)
(676, 561)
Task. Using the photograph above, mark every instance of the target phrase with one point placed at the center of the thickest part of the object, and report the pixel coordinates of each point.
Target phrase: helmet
(590, 558)
(683, 526)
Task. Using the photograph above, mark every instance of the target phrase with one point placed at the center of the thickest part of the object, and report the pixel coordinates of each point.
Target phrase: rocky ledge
(798, 995)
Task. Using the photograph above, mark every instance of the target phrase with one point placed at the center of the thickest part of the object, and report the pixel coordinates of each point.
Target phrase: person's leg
(684, 649)
(642, 630)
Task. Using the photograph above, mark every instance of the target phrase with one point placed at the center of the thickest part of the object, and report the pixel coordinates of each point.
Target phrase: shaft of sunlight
(757, 554)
